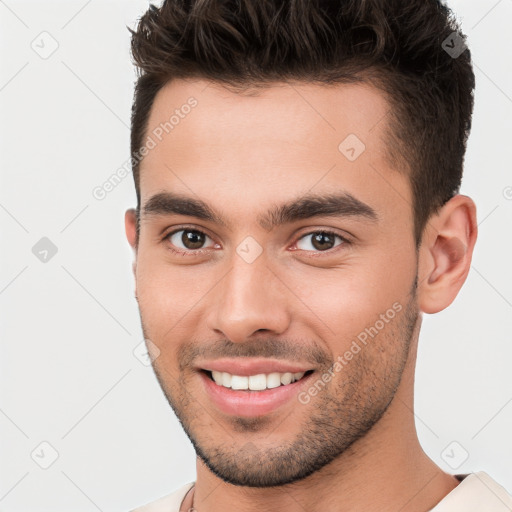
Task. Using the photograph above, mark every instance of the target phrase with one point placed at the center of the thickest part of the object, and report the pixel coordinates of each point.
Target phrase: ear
(445, 253)
(130, 226)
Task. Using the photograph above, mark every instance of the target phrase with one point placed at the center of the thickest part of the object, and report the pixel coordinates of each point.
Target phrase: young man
(297, 167)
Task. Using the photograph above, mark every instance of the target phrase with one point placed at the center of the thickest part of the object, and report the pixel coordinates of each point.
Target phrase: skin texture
(353, 446)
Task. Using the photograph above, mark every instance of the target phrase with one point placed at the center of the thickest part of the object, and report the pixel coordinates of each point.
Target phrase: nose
(248, 299)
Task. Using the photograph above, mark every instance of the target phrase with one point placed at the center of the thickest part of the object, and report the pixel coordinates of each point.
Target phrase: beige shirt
(477, 492)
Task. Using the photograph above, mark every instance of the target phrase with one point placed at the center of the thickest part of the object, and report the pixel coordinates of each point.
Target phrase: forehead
(276, 142)
(303, 110)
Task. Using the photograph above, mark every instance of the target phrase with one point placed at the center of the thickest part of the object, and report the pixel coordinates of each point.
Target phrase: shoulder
(169, 503)
(476, 492)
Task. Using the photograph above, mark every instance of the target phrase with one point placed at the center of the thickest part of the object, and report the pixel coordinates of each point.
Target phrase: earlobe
(445, 253)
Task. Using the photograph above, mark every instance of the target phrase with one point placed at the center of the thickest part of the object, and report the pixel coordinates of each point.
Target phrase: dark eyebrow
(169, 203)
(341, 204)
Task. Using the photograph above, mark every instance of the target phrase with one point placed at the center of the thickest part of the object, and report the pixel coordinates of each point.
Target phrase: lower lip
(251, 403)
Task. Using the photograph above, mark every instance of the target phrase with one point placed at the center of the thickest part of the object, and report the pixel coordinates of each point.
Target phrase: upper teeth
(255, 382)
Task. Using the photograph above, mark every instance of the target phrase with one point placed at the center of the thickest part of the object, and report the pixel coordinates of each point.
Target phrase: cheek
(166, 293)
(345, 301)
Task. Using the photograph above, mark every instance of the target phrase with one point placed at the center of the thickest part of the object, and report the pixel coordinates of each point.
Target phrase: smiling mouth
(259, 382)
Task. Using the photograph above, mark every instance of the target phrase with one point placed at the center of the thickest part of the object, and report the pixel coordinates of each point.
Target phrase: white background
(68, 375)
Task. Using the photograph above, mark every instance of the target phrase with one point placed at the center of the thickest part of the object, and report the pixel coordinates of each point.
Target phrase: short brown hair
(400, 46)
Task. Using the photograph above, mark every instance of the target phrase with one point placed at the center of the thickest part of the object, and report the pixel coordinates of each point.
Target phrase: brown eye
(190, 239)
(319, 241)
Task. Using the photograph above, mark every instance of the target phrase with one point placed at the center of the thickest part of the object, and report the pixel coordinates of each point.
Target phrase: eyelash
(314, 254)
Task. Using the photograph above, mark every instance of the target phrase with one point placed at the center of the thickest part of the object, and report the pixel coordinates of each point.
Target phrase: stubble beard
(340, 414)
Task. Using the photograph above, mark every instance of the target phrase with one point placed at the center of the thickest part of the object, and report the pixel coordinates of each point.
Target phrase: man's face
(259, 289)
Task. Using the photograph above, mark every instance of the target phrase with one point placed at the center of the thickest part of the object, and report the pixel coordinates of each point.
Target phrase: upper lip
(252, 366)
